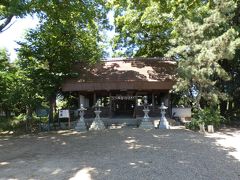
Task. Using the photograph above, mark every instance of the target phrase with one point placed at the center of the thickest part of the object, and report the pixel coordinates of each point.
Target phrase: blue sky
(15, 33)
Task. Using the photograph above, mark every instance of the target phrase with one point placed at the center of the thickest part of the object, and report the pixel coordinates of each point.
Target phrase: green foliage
(198, 34)
(68, 33)
(51, 9)
(143, 27)
(205, 116)
(7, 81)
(12, 123)
(193, 125)
(67, 101)
(18, 124)
(200, 42)
(231, 87)
(4, 76)
(202, 36)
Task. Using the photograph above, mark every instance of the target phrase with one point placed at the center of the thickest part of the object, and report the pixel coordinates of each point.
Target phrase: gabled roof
(131, 73)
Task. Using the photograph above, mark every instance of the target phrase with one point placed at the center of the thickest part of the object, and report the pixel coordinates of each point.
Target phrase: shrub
(19, 123)
(193, 125)
(208, 116)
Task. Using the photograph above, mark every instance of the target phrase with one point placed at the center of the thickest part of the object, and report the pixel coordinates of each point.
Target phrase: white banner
(123, 97)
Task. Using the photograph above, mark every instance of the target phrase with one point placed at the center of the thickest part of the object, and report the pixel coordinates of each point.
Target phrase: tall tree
(68, 33)
(143, 27)
(200, 35)
(232, 87)
(5, 78)
(10, 83)
(202, 41)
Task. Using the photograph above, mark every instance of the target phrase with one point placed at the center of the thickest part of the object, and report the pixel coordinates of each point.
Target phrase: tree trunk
(29, 117)
(237, 104)
(52, 102)
(230, 106)
(5, 23)
(198, 98)
(223, 107)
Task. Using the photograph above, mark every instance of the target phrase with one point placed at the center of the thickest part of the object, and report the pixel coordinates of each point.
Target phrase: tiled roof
(137, 73)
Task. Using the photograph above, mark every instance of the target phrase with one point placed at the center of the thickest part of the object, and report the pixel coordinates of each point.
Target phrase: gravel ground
(229, 139)
(125, 153)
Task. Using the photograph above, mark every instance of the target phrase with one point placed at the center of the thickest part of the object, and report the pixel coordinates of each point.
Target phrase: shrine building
(120, 85)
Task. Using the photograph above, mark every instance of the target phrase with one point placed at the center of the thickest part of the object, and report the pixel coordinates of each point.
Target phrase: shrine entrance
(123, 106)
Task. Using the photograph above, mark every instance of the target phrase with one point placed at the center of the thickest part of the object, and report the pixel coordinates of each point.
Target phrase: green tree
(200, 35)
(232, 87)
(143, 27)
(5, 79)
(68, 33)
(201, 42)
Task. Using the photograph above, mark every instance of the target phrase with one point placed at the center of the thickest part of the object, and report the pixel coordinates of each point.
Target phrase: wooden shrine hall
(121, 84)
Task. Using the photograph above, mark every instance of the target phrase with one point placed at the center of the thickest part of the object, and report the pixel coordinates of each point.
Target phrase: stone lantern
(97, 123)
(163, 121)
(145, 109)
(146, 123)
(81, 124)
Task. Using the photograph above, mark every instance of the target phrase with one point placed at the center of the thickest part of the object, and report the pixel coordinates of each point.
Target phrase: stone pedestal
(146, 123)
(80, 126)
(210, 129)
(202, 128)
(97, 124)
(146, 117)
(164, 124)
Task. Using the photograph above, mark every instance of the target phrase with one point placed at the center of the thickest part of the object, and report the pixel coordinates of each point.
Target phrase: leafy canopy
(68, 33)
(200, 42)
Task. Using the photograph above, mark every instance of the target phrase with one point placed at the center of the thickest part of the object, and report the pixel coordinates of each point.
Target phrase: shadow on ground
(116, 154)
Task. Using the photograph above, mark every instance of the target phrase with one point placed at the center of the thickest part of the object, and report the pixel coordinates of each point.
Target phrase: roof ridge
(137, 59)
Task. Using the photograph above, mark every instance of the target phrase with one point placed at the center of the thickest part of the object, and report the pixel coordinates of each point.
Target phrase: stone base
(202, 128)
(97, 125)
(210, 129)
(80, 126)
(146, 125)
(164, 124)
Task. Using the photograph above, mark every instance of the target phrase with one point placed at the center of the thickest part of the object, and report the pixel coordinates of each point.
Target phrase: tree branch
(5, 23)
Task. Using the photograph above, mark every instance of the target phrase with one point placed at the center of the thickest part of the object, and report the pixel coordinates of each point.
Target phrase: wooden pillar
(136, 105)
(169, 104)
(81, 100)
(153, 102)
(136, 95)
(166, 99)
(94, 98)
(110, 104)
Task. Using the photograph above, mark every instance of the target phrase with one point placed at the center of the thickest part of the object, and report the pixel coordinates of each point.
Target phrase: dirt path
(117, 154)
